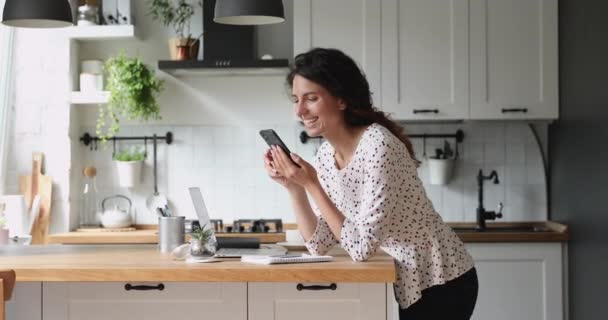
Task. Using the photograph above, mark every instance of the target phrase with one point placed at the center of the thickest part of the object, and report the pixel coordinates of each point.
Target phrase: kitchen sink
(504, 229)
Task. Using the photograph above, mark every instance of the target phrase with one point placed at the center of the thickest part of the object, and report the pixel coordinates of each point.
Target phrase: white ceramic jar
(91, 75)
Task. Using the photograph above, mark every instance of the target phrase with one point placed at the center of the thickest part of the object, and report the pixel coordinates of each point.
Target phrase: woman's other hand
(305, 175)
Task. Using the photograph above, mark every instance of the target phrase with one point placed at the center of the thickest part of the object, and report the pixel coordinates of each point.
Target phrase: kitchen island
(520, 267)
(60, 282)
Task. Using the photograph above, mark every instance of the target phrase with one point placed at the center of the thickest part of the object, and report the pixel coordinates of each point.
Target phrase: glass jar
(199, 248)
(89, 216)
(88, 15)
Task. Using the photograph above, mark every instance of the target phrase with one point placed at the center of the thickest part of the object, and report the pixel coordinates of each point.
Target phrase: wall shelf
(93, 97)
(115, 32)
(225, 68)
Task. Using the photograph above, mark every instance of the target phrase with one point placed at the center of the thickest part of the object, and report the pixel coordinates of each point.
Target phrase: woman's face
(316, 107)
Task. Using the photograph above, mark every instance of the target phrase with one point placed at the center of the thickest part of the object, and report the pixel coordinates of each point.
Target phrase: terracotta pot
(183, 48)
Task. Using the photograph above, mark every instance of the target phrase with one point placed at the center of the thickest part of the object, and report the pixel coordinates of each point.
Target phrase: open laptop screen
(200, 208)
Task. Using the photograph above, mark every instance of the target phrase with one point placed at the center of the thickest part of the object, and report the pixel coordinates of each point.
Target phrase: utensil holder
(171, 233)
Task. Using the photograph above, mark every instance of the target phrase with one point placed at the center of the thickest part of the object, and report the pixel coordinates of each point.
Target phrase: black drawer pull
(416, 111)
(159, 287)
(505, 110)
(301, 287)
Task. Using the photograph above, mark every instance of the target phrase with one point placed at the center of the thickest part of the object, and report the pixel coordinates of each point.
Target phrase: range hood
(226, 49)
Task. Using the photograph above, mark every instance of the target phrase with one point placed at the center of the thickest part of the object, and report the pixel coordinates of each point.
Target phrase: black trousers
(454, 300)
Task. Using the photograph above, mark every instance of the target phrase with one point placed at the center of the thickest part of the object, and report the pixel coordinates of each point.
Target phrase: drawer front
(318, 301)
(154, 300)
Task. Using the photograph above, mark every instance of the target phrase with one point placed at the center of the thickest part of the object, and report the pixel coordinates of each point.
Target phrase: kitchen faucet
(482, 214)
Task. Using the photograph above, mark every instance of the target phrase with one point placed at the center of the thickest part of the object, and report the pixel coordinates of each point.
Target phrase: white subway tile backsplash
(494, 153)
(226, 162)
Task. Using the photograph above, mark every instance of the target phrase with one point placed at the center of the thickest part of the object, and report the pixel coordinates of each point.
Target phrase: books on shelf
(285, 258)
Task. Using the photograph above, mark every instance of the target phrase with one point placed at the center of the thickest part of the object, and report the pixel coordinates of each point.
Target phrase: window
(6, 48)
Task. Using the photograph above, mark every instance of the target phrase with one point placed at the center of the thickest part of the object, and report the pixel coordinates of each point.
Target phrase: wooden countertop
(145, 263)
(554, 232)
(143, 236)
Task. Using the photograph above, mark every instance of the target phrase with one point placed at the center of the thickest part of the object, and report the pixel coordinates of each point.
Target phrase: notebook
(285, 258)
(203, 218)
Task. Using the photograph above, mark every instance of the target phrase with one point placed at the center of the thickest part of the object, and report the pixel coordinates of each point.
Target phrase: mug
(294, 236)
(15, 212)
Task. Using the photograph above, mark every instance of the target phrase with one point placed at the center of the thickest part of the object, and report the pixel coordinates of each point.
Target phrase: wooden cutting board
(34, 184)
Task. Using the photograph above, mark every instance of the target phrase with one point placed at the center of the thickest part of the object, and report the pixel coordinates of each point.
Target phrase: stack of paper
(286, 258)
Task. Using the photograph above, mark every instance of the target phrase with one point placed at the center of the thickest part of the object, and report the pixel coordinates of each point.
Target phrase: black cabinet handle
(159, 287)
(506, 110)
(301, 287)
(416, 111)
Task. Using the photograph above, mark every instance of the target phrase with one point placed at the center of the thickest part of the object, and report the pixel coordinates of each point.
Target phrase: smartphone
(273, 139)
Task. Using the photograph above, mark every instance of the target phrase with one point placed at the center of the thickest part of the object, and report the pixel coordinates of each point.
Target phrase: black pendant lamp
(249, 12)
(37, 13)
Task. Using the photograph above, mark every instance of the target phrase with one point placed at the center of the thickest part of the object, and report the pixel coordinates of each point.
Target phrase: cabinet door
(26, 303)
(425, 59)
(352, 26)
(514, 59)
(348, 301)
(516, 281)
(110, 300)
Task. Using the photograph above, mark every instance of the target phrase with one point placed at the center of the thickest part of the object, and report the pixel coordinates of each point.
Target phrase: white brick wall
(226, 162)
(41, 115)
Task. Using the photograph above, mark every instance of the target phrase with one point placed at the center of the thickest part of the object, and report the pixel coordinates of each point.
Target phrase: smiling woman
(6, 48)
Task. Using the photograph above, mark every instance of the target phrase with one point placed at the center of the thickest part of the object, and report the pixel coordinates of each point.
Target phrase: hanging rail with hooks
(91, 141)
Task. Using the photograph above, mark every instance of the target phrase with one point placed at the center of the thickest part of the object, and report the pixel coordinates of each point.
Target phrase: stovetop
(248, 226)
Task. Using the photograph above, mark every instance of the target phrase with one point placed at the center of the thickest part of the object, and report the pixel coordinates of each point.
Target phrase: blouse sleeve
(386, 170)
(322, 239)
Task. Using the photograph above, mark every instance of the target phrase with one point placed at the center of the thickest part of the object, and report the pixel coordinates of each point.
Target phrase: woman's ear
(342, 104)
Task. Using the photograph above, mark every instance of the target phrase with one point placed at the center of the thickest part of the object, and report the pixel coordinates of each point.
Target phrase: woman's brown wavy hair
(341, 77)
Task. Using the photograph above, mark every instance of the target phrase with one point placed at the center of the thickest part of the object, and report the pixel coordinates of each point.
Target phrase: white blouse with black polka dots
(386, 207)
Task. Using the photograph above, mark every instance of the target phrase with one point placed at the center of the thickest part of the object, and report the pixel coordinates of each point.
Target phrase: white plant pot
(440, 171)
(129, 173)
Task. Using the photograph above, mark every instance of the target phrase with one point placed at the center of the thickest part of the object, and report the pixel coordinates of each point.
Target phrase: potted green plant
(202, 241)
(177, 14)
(441, 165)
(129, 165)
(133, 91)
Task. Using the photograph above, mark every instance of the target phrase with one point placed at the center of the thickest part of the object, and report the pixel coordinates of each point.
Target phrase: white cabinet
(347, 301)
(444, 59)
(26, 303)
(425, 59)
(516, 281)
(177, 300)
(514, 66)
(352, 26)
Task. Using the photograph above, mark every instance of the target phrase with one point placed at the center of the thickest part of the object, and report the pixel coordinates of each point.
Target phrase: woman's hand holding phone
(285, 167)
(293, 168)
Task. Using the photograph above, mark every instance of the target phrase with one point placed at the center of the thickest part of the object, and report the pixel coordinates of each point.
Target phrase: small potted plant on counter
(177, 14)
(202, 241)
(129, 164)
(133, 91)
(441, 165)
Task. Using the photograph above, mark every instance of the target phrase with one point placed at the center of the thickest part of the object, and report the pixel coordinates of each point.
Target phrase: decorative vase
(440, 171)
(184, 48)
(129, 173)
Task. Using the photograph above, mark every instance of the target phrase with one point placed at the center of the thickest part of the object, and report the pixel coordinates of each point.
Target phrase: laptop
(203, 218)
